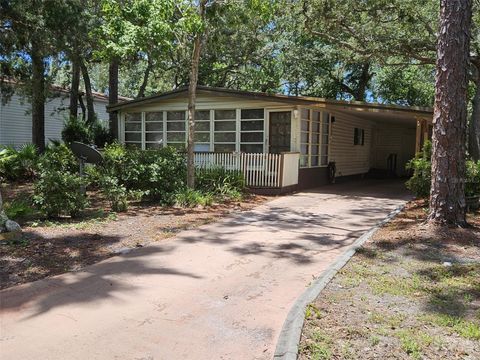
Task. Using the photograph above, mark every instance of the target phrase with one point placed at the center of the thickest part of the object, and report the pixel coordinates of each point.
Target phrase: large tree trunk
(74, 89)
(192, 94)
(91, 116)
(38, 99)
(113, 95)
(474, 128)
(447, 197)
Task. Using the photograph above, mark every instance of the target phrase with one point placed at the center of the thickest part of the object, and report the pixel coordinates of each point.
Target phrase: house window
(314, 138)
(176, 129)
(225, 130)
(202, 131)
(252, 130)
(133, 129)
(304, 138)
(154, 130)
(325, 138)
(359, 136)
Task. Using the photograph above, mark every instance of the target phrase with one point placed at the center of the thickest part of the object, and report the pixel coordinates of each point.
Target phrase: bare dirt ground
(46, 248)
(412, 292)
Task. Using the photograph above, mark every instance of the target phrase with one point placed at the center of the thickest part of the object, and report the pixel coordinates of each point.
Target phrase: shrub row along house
(280, 142)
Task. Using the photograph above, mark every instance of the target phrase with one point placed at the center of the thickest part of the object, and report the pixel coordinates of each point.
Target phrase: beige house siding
(392, 139)
(350, 159)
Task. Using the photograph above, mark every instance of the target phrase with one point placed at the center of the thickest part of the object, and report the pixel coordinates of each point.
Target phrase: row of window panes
(224, 130)
(314, 138)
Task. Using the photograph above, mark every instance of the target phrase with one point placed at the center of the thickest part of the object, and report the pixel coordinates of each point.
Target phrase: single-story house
(280, 142)
(16, 118)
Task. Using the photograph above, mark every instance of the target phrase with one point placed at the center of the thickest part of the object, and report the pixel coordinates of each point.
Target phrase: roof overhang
(337, 105)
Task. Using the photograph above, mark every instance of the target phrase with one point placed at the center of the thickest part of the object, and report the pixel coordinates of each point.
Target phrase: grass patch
(464, 328)
(319, 346)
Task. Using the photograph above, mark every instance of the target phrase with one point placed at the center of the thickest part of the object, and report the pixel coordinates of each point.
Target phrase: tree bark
(82, 106)
(474, 128)
(146, 75)
(91, 116)
(192, 94)
(38, 99)
(113, 95)
(447, 196)
(74, 89)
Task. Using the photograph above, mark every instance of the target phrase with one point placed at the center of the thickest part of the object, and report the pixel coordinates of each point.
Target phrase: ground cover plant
(413, 292)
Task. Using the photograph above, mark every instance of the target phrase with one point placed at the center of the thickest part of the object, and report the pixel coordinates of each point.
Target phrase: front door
(280, 131)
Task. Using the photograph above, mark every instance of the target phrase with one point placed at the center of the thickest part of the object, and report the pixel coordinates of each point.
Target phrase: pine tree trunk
(74, 89)
(113, 95)
(447, 197)
(91, 116)
(192, 94)
(474, 128)
(38, 99)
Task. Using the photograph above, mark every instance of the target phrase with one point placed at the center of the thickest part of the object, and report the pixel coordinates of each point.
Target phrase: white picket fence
(259, 170)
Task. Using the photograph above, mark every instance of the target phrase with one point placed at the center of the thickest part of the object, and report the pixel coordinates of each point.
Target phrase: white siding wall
(16, 121)
(350, 159)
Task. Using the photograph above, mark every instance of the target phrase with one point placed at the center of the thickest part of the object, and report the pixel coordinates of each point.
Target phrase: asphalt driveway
(221, 291)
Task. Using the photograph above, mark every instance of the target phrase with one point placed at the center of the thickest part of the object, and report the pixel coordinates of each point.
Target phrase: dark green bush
(58, 190)
(60, 193)
(101, 135)
(421, 166)
(158, 174)
(223, 184)
(115, 193)
(75, 129)
(18, 164)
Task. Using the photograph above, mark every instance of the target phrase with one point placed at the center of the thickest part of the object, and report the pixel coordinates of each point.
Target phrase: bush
(190, 198)
(101, 135)
(59, 189)
(21, 207)
(115, 193)
(60, 193)
(158, 174)
(58, 157)
(421, 166)
(223, 184)
(472, 185)
(75, 129)
(18, 164)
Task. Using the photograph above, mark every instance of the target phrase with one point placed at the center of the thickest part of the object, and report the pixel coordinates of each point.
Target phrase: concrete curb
(287, 344)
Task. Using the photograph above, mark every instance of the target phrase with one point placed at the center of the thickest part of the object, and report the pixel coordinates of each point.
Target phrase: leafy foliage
(115, 193)
(75, 129)
(421, 166)
(18, 164)
(188, 197)
(58, 190)
(472, 185)
(223, 184)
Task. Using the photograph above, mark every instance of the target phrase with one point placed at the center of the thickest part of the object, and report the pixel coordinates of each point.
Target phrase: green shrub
(60, 193)
(158, 174)
(101, 135)
(421, 166)
(190, 198)
(75, 129)
(18, 164)
(223, 184)
(115, 193)
(17, 208)
(472, 185)
(58, 157)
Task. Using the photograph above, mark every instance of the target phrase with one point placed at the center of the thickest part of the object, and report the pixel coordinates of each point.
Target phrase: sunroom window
(224, 131)
(252, 130)
(202, 131)
(133, 129)
(154, 130)
(176, 129)
(314, 138)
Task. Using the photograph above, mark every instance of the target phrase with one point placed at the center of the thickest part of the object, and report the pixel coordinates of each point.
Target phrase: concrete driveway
(221, 291)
